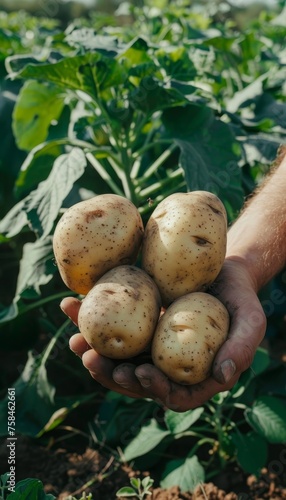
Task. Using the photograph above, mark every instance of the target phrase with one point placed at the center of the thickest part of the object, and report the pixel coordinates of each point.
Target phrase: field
(143, 103)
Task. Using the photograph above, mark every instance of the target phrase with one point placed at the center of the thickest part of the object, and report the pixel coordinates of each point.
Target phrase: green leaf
(150, 435)
(151, 95)
(187, 473)
(91, 73)
(267, 417)
(38, 165)
(147, 482)
(9, 42)
(36, 107)
(261, 361)
(41, 207)
(264, 109)
(30, 489)
(36, 266)
(135, 482)
(251, 451)
(14, 220)
(126, 491)
(177, 63)
(8, 313)
(121, 418)
(249, 92)
(260, 148)
(209, 153)
(43, 204)
(280, 20)
(221, 42)
(33, 391)
(136, 52)
(87, 38)
(180, 422)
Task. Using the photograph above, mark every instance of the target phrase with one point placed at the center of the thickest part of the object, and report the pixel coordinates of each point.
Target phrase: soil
(64, 472)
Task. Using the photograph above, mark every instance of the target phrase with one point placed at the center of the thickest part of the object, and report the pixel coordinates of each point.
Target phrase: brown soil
(64, 472)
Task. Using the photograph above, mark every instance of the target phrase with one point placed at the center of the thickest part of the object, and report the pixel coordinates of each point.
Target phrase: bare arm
(258, 237)
(256, 252)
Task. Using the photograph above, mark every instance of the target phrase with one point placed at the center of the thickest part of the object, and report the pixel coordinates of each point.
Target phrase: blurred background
(65, 10)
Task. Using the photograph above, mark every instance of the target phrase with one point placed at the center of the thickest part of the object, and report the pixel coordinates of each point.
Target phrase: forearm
(258, 237)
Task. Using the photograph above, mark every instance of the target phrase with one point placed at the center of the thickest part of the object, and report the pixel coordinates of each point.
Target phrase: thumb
(71, 306)
(248, 325)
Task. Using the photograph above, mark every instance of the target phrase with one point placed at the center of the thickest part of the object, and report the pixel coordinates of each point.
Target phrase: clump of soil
(268, 485)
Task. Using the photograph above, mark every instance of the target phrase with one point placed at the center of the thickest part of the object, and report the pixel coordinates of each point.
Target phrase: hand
(234, 287)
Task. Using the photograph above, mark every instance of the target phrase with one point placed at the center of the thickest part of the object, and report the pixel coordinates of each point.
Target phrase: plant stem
(127, 184)
(157, 163)
(127, 181)
(104, 175)
(202, 441)
(147, 192)
(151, 145)
(42, 302)
(53, 342)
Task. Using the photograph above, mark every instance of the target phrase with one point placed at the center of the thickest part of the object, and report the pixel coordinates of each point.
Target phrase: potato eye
(201, 241)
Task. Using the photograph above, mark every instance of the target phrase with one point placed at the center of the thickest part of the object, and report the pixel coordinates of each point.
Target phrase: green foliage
(188, 471)
(30, 489)
(138, 489)
(235, 426)
(34, 390)
(24, 490)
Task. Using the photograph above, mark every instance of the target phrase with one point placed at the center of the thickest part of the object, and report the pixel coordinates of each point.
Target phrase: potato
(184, 243)
(188, 337)
(94, 236)
(119, 315)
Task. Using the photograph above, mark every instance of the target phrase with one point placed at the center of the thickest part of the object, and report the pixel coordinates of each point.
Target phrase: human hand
(234, 287)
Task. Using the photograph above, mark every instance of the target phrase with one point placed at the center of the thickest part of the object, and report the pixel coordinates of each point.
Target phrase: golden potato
(188, 337)
(119, 315)
(184, 243)
(94, 236)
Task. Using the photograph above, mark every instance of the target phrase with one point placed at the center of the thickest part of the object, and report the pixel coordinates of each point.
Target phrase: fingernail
(145, 382)
(227, 369)
(119, 380)
(124, 386)
(62, 304)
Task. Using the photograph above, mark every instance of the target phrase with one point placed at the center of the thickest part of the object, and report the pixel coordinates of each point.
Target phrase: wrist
(243, 267)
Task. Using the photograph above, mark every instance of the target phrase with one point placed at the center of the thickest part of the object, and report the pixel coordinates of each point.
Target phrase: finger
(101, 369)
(124, 375)
(71, 306)
(78, 344)
(246, 333)
(174, 396)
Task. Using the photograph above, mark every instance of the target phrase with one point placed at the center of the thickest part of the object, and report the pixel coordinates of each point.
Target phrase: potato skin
(94, 236)
(119, 315)
(184, 244)
(188, 337)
